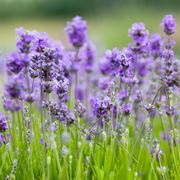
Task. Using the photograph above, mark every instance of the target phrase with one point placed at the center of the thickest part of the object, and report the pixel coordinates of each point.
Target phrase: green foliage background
(15, 8)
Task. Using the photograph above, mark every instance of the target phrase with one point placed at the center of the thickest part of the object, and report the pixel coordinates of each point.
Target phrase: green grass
(109, 156)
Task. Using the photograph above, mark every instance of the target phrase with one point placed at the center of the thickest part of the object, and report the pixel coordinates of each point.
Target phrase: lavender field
(68, 112)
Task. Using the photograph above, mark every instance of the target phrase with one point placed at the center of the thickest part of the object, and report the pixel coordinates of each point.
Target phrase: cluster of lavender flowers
(3, 127)
(135, 81)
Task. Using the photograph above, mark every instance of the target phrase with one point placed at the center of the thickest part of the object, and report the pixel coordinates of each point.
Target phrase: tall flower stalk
(77, 33)
(168, 78)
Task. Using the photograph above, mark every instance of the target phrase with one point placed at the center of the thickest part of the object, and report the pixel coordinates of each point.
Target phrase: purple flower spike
(168, 24)
(139, 33)
(123, 94)
(126, 109)
(168, 55)
(80, 109)
(80, 94)
(53, 127)
(77, 31)
(14, 87)
(61, 88)
(151, 109)
(101, 107)
(166, 136)
(3, 123)
(2, 138)
(24, 40)
(114, 60)
(169, 42)
(16, 62)
(66, 115)
(42, 141)
(41, 42)
(88, 56)
(155, 44)
(12, 105)
(104, 66)
(103, 83)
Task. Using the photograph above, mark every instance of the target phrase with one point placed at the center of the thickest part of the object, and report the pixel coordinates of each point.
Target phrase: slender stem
(20, 126)
(32, 89)
(168, 101)
(76, 105)
(76, 87)
(13, 130)
(87, 95)
(70, 94)
(27, 80)
(155, 97)
(41, 99)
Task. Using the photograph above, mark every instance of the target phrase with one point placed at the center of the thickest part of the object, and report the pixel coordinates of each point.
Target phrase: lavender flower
(13, 95)
(30, 98)
(61, 88)
(123, 95)
(47, 87)
(168, 24)
(169, 42)
(77, 31)
(3, 123)
(139, 33)
(103, 83)
(155, 44)
(113, 58)
(12, 104)
(126, 109)
(35, 65)
(53, 127)
(168, 55)
(151, 109)
(24, 40)
(71, 61)
(14, 87)
(90, 134)
(115, 62)
(46, 65)
(80, 108)
(42, 141)
(138, 96)
(155, 150)
(16, 62)
(166, 136)
(170, 111)
(41, 42)
(130, 79)
(167, 75)
(144, 65)
(88, 57)
(66, 115)
(62, 113)
(104, 66)
(140, 37)
(44, 62)
(101, 107)
(2, 139)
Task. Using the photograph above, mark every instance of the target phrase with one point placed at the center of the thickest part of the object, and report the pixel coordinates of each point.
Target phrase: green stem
(20, 127)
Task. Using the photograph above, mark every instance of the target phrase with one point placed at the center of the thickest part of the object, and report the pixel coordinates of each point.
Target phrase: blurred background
(108, 20)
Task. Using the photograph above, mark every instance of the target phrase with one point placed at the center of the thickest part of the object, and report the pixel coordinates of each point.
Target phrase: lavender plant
(67, 117)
